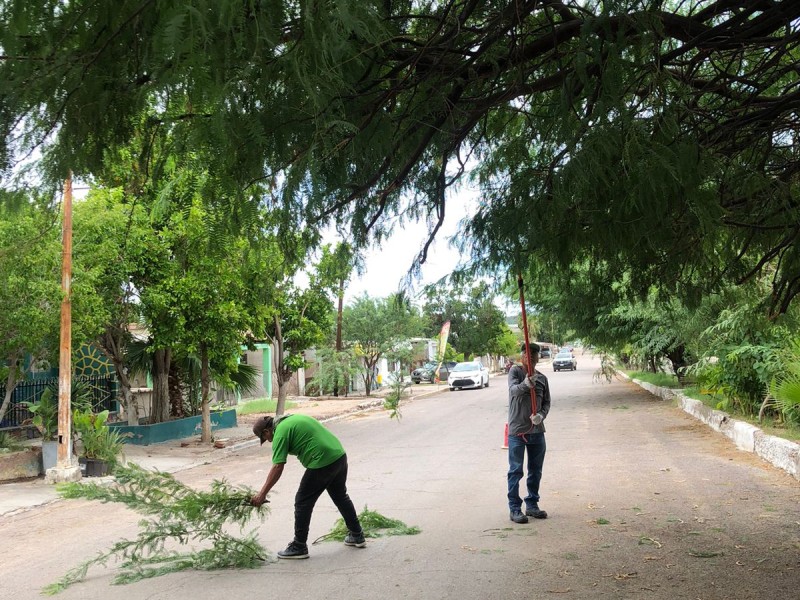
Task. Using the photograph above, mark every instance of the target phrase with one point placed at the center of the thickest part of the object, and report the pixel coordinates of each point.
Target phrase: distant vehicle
(565, 361)
(427, 372)
(468, 375)
(544, 353)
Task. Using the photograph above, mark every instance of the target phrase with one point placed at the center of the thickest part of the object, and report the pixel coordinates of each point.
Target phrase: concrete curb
(778, 451)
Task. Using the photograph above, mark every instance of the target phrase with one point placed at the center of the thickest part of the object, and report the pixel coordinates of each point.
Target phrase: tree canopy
(657, 139)
(477, 326)
(378, 328)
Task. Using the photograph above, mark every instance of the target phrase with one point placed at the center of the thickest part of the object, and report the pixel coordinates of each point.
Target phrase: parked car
(468, 375)
(564, 361)
(426, 371)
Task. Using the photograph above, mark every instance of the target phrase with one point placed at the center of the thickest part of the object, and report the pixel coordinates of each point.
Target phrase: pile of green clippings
(373, 524)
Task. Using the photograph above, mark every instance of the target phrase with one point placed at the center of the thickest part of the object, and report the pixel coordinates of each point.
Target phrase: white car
(468, 375)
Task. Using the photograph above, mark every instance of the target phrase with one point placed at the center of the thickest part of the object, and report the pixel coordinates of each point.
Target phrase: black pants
(332, 479)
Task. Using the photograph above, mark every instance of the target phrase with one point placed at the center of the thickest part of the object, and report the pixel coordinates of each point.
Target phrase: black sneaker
(518, 517)
(535, 512)
(294, 550)
(355, 539)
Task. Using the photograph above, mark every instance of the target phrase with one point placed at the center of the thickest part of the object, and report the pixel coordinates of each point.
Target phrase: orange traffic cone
(505, 438)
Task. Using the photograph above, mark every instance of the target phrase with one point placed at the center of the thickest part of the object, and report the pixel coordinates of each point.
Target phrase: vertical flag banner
(443, 335)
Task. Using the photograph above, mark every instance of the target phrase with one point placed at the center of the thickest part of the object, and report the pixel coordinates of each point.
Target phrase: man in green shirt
(324, 458)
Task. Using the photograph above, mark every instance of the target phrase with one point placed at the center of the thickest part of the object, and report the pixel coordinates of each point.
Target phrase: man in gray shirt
(526, 434)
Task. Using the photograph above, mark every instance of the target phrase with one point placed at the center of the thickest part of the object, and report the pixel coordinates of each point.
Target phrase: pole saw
(527, 341)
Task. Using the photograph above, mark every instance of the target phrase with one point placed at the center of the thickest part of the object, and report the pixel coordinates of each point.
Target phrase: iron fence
(102, 390)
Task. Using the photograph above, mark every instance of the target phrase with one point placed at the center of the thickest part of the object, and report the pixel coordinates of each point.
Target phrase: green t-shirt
(306, 438)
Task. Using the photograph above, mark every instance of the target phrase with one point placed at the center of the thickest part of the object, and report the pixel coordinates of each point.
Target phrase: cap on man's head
(263, 424)
(534, 348)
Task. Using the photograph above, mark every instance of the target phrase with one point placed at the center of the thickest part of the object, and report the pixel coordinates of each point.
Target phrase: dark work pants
(332, 479)
(535, 446)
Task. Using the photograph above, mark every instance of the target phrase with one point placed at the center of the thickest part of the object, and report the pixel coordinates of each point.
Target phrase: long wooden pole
(527, 341)
(65, 349)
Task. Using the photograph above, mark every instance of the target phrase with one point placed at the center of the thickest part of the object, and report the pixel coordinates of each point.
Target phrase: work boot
(355, 539)
(294, 550)
(517, 516)
(535, 512)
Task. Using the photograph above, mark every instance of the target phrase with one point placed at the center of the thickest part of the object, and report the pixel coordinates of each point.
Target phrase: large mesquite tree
(658, 138)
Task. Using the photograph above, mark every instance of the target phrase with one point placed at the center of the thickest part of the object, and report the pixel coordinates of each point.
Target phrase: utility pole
(65, 470)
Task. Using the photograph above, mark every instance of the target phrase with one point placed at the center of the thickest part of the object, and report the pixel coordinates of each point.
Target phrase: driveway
(644, 502)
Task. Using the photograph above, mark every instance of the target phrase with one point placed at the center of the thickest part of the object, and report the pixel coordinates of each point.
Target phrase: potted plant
(45, 419)
(101, 445)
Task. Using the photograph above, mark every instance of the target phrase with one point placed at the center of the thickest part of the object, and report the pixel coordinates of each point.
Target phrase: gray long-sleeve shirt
(519, 401)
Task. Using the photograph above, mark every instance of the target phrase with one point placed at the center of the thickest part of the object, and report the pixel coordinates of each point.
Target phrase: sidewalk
(187, 453)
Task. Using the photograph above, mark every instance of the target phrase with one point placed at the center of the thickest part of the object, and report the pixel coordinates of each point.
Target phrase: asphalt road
(644, 502)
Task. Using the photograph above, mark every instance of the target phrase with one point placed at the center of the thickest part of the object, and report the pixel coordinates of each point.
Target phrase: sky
(386, 266)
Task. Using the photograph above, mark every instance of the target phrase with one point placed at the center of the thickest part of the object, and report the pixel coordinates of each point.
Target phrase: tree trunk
(176, 397)
(339, 312)
(369, 375)
(161, 363)
(677, 357)
(205, 386)
(128, 399)
(112, 345)
(281, 396)
(277, 362)
(11, 384)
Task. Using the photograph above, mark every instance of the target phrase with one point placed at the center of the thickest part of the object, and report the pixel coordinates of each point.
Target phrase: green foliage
(335, 368)
(377, 327)
(373, 524)
(9, 443)
(301, 319)
(99, 441)
(45, 414)
(398, 385)
(505, 343)
(593, 139)
(476, 324)
(785, 387)
(177, 514)
(744, 352)
(30, 294)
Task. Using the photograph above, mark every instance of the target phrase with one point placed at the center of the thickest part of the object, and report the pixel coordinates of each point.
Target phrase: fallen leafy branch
(179, 514)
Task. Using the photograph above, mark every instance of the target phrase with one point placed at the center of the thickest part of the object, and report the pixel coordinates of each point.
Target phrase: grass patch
(602, 521)
(261, 405)
(660, 379)
(9, 443)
